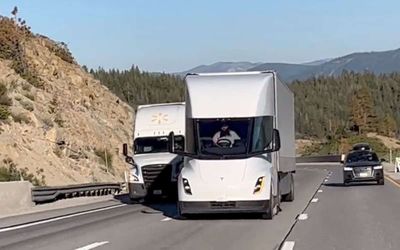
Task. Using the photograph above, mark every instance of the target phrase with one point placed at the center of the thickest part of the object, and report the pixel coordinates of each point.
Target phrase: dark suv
(362, 165)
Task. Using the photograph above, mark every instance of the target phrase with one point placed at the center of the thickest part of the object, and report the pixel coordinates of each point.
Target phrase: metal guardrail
(46, 194)
(324, 158)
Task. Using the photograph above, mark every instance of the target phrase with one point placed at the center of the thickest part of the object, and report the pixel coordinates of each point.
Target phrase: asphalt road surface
(354, 217)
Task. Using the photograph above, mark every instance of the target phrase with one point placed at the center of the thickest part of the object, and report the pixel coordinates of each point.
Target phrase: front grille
(157, 177)
(221, 205)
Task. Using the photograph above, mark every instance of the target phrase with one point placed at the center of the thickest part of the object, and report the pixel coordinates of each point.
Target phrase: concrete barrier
(15, 196)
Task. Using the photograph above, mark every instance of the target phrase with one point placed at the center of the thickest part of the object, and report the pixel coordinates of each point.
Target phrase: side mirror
(125, 149)
(125, 152)
(276, 140)
(171, 142)
(383, 159)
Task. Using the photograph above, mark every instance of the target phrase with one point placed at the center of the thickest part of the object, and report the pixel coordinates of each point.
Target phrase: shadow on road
(168, 209)
(350, 184)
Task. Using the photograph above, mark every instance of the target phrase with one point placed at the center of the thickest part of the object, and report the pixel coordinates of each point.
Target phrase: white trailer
(239, 144)
(153, 169)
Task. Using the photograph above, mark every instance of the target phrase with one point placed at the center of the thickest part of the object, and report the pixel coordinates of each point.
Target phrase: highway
(324, 215)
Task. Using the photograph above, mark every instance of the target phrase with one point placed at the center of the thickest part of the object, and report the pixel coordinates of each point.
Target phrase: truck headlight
(259, 185)
(347, 169)
(378, 167)
(186, 186)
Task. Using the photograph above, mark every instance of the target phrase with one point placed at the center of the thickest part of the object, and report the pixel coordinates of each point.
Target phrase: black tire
(136, 200)
(179, 214)
(290, 196)
(381, 181)
(269, 214)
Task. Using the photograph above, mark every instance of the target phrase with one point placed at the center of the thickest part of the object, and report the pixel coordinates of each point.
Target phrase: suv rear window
(362, 156)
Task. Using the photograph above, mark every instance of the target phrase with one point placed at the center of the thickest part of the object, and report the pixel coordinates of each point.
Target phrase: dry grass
(27, 105)
(21, 118)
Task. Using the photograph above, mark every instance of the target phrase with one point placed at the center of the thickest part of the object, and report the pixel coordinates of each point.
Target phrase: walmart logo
(159, 118)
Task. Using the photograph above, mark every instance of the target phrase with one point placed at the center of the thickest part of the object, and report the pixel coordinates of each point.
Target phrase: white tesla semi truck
(239, 144)
(153, 169)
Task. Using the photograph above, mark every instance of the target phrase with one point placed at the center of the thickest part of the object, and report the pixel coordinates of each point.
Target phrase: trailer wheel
(269, 214)
(290, 195)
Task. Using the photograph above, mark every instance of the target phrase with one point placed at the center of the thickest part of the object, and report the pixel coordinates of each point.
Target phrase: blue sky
(177, 35)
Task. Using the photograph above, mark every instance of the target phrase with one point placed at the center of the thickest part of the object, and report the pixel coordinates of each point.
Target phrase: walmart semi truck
(239, 153)
(153, 170)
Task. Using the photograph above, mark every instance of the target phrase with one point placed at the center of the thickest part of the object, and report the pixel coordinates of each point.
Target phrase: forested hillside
(326, 107)
(352, 102)
(138, 87)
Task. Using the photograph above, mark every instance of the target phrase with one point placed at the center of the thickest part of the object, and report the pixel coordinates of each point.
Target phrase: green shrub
(61, 50)
(58, 151)
(4, 112)
(3, 88)
(27, 105)
(48, 122)
(30, 96)
(27, 87)
(53, 105)
(10, 172)
(106, 157)
(21, 118)
(4, 98)
(12, 35)
(59, 121)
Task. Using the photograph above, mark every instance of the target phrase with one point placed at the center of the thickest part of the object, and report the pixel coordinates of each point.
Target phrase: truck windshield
(157, 144)
(233, 137)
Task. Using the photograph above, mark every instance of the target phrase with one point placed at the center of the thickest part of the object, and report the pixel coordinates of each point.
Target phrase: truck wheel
(179, 214)
(381, 181)
(290, 195)
(269, 214)
(136, 200)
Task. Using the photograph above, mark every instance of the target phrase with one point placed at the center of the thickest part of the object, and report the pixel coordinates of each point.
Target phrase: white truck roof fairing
(160, 119)
(223, 95)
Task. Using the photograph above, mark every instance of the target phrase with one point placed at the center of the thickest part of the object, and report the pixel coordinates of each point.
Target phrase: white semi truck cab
(153, 169)
(239, 144)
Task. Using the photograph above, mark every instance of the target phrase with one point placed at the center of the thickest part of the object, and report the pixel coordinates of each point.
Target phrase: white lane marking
(93, 245)
(288, 245)
(57, 218)
(166, 219)
(303, 217)
(320, 191)
(314, 200)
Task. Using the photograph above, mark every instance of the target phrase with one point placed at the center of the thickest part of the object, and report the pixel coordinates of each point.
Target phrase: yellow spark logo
(159, 118)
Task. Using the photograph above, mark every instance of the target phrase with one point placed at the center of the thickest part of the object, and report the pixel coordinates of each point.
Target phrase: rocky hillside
(56, 120)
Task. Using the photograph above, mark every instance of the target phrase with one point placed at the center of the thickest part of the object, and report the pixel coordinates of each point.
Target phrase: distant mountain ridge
(376, 62)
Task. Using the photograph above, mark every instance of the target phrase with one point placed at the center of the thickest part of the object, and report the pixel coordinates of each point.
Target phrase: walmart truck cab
(153, 169)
